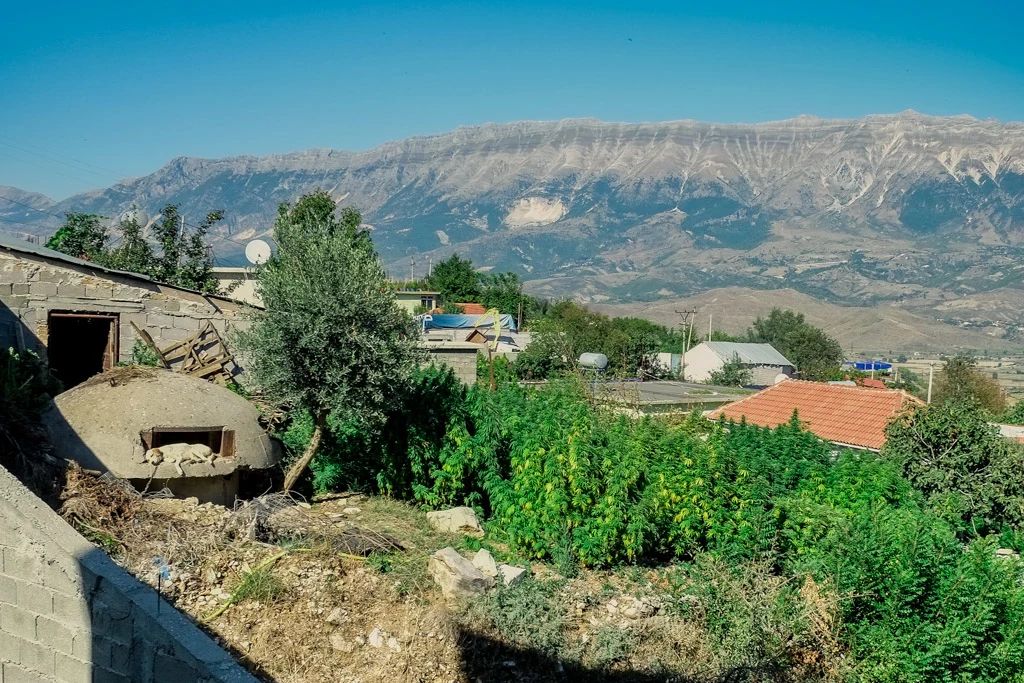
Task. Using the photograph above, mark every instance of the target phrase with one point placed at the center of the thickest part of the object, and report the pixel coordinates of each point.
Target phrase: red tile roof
(472, 309)
(872, 383)
(853, 416)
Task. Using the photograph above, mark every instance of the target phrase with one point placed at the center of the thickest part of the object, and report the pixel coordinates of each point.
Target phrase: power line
(43, 152)
(29, 206)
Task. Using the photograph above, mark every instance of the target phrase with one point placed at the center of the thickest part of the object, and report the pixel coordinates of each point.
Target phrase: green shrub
(970, 475)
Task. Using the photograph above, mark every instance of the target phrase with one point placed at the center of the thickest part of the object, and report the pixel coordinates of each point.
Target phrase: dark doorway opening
(80, 345)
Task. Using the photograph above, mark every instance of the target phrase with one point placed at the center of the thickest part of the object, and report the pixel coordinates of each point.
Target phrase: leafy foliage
(456, 280)
(960, 381)
(81, 236)
(732, 374)
(184, 258)
(330, 340)
(813, 352)
(969, 474)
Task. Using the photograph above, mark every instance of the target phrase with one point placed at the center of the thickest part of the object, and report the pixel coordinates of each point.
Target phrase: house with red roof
(855, 416)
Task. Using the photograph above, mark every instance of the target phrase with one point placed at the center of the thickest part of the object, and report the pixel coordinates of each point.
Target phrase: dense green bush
(877, 565)
(970, 475)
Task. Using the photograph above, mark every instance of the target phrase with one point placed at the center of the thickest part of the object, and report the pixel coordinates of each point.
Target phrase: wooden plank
(148, 340)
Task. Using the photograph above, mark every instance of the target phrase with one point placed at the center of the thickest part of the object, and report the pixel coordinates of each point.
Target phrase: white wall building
(764, 362)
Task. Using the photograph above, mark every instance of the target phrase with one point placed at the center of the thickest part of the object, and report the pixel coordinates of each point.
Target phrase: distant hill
(920, 213)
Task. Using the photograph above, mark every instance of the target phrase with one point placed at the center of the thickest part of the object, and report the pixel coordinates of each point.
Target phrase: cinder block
(12, 673)
(100, 675)
(119, 656)
(73, 291)
(72, 611)
(17, 622)
(167, 669)
(43, 289)
(19, 288)
(159, 320)
(57, 636)
(100, 291)
(34, 598)
(71, 670)
(48, 275)
(10, 648)
(37, 657)
(184, 322)
(172, 305)
(173, 334)
(8, 589)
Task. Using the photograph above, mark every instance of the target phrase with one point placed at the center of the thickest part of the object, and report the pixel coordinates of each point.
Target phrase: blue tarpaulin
(453, 321)
(869, 365)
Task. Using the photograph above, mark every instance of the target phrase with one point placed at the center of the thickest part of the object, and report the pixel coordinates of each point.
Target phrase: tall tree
(817, 356)
(456, 280)
(330, 339)
(960, 381)
(184, 259)
(133, 254)
(81, 236)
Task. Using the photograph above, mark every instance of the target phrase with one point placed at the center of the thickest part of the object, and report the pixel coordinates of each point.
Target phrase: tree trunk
(302, 463)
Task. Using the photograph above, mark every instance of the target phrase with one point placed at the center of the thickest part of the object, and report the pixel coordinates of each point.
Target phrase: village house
(762, 360)
(412, 299)
(85, 318)
(849, 416)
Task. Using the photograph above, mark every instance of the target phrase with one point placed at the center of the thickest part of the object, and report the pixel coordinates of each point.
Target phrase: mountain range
(912, 212)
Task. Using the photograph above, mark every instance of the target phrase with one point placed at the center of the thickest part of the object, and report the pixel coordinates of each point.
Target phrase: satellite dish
(135, 214)
(781, 377)
(257, 252)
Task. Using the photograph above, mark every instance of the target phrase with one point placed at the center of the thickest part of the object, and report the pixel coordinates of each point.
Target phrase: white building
(764, 362)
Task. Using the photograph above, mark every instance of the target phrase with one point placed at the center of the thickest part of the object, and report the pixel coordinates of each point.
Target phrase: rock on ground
(459, 520)
(456, 576)
(484, 561)
(511, 575)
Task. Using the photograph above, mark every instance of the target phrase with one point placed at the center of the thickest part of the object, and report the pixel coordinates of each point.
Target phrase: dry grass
(308, 614)
(121, 375)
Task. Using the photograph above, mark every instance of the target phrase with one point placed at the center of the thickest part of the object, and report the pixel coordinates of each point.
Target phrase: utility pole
(931, 374)
(181, 236)
(686, 315)
(711, 316)
(412, 269)
(430, 266)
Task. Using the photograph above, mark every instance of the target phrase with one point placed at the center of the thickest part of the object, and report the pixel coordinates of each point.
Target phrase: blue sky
(93, 92)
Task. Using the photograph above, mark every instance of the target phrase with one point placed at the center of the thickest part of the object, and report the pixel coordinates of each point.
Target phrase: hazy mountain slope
(906, 210)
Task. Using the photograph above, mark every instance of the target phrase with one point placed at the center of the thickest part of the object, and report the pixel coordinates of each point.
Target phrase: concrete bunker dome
(109, 422)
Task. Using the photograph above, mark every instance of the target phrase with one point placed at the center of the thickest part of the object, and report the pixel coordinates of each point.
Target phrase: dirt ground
(299, 610)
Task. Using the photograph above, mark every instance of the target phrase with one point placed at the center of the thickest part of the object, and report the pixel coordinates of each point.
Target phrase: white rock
(351, 511)
(341, 643)
(484, 561)
(456, 576)
(460, 520)
(336, 616)
(376, 638)
(393, 644)
(511, 575)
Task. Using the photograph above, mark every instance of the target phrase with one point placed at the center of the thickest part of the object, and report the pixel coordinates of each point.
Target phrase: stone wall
(460, 357)
(68, 614)
(31, 286)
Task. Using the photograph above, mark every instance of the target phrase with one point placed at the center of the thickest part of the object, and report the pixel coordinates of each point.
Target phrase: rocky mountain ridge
(905, 210)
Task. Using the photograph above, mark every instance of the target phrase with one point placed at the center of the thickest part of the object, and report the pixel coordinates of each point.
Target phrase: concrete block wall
(31, 286)
(68, 614)
(461, 358)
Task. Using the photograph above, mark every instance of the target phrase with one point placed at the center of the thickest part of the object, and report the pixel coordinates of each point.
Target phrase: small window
(427, 302)
(220, 440)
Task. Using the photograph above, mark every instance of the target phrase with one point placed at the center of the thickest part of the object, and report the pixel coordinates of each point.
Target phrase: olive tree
(330, 338)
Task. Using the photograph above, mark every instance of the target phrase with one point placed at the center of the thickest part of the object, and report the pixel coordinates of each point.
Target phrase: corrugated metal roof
(24, 247)
(752, 354)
